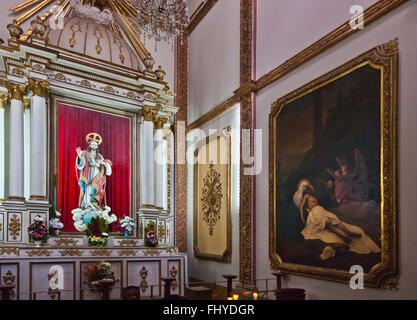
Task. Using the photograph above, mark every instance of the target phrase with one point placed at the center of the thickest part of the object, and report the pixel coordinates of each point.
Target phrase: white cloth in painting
(315, 228)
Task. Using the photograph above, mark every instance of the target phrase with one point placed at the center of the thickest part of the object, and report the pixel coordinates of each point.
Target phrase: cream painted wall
(193, 5)
(212, 270)
(286, 27)
(400, 23)
(214, 59)
(164, 56)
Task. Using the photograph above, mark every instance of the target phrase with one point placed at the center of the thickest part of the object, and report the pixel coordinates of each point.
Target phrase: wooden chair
(131, 293)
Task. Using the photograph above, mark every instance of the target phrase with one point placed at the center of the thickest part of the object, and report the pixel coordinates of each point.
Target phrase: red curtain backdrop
(73, 125)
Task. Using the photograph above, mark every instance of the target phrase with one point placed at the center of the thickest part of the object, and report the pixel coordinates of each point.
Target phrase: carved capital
(4, 99)
(147, 113)
(39, 88)
(159, 122)
(16, 90)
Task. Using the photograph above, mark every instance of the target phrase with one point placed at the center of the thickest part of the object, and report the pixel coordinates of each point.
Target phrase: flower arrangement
(128, 224)
(38, 231)
(93, 273)
(151, 237)
(54, 222)
(97, 231)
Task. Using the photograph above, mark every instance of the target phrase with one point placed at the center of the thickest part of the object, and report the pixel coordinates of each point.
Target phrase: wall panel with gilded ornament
(145, 275)
(212, 201)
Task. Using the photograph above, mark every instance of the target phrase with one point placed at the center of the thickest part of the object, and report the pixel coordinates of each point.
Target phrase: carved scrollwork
(14, 227)
(143, 273)
(38, 252)
(211, 198)
(128, 242)
(127, 252)
(71, 252)
(9, 278)
(9, 251)
(152, 252)
(173, 272)
(101, 252)
(66, 242)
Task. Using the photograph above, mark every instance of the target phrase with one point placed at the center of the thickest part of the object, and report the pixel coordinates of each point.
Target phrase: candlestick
(255, 296)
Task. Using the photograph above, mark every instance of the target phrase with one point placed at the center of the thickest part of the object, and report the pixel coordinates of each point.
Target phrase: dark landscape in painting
(328, 148)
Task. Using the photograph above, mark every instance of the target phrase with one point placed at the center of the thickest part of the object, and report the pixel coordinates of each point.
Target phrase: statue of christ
(92, 170)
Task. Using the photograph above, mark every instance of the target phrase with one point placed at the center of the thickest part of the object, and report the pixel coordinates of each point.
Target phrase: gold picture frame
(383, 58)
(221, 190)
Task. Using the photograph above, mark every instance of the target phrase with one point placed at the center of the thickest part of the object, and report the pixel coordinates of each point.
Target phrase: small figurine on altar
(54, 223)
(128, 224)
(92, 170)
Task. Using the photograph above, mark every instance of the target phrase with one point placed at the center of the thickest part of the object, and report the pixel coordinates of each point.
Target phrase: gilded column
(147, 180)
(160, 161)
(16, 154)
(3, 102)
(38, 134)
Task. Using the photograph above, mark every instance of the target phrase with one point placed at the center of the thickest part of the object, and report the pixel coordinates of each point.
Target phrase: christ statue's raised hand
(79, 152)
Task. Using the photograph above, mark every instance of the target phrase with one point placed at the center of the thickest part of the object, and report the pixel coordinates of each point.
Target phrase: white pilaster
(159, 167)
(2, 154)
(165, 175)
(147, 181)
(38, 152)
(16, 157)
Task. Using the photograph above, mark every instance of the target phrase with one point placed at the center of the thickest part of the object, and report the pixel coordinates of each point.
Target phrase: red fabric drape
(74, 124)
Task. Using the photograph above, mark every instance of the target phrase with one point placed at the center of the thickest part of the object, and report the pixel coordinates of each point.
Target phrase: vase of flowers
(38, 231)
(96, 273)
(128, 224)
(54, 222)
(152, 239)
(97, 231)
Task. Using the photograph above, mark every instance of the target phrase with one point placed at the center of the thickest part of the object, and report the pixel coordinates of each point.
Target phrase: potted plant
(38, 231)
(128, 224)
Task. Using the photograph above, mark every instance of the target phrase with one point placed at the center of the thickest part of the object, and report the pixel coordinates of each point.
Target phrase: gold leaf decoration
(143, 283)
(211, 198)
(173, 272)
(14, 227)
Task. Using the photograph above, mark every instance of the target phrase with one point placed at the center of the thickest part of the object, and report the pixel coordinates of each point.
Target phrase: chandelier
(162, 20)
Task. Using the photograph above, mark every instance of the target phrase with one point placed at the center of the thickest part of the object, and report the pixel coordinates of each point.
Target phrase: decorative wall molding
(181, 84)
(199, 14)
(247, 208)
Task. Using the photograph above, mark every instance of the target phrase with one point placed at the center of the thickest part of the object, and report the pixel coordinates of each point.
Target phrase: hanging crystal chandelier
(162, 20)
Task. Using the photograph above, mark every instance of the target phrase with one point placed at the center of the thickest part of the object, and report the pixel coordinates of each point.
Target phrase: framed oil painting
(333, 184)
(212, 201)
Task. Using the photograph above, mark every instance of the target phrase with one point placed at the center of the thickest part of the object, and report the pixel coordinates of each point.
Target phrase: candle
(235, 297)
(229, 298)
(255, 296)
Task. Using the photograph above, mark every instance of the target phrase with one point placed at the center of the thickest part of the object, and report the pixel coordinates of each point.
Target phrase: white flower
(104, 234)
(58, 214)
(56, 224)
(38, 218)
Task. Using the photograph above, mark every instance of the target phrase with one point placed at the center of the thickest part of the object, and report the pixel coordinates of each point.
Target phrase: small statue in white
(55, 224)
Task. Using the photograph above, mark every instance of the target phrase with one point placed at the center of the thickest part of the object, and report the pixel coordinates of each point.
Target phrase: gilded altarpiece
(212, 201)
